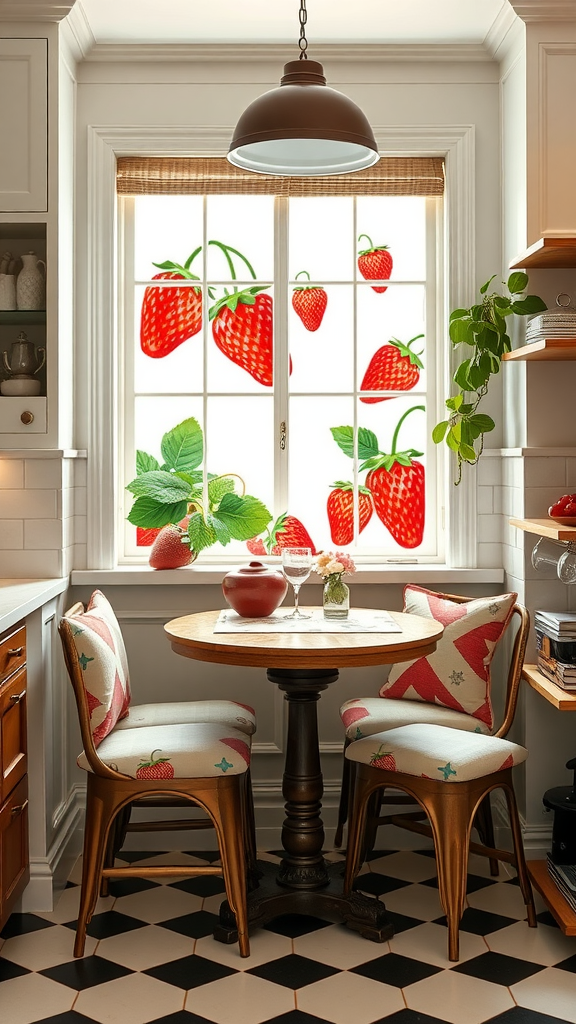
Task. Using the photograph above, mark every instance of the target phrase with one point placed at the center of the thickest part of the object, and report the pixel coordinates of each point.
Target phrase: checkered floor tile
(151, 958)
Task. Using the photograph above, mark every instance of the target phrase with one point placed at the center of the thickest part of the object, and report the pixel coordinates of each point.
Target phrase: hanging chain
(303, 42)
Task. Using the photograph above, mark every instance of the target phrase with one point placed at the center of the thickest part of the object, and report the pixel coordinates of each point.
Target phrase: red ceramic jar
(254, 590)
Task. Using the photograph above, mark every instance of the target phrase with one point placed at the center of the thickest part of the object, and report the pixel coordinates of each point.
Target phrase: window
(303, 350)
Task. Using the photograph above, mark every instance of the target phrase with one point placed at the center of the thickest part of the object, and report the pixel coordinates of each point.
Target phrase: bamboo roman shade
(391, 176)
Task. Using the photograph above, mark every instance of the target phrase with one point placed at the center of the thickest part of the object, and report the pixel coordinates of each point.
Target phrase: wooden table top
(193, 636)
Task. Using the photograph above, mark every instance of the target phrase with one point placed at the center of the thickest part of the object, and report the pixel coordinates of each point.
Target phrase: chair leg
(450, 815)
(485, 827)
(346, 792)
(100, 812)
(253, 872)
(356, 826)
(116, 840)
(373, 813)
(225, 806)
(523, 876)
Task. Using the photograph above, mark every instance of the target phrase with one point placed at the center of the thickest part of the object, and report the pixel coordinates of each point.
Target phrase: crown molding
(79, 36)
(545, 10)
(503, 33)
(279, 53)
(34, 10)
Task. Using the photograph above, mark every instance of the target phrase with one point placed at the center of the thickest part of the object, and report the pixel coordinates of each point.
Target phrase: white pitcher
(31, 283)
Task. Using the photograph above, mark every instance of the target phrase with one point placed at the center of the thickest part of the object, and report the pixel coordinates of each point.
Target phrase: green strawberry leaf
(517, 282)
(220, 529)
(439, 431)
(218, 488)
(200, 533)
(367, 441)
(183, 447)
(163, 487)
(244, 516)
(145, 463)
(151, 514)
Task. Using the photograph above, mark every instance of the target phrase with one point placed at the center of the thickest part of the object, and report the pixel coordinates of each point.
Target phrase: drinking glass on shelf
(547, 553)
(567, 565)
(296, 566)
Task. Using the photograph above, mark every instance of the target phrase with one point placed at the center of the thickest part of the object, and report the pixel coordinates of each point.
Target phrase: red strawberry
(159, 768)
(393, 367)
(309, 303)
(171, 549)
(242, 330)
(375, 263)
(170, 316)
(396, 482)
(287, 532)
(340, 509)
(145, 538)
(383, 759)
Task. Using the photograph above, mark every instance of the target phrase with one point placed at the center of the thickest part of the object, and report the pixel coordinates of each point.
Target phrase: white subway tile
(514, 561)
(43, 534)
(570, 475)
(11, 473)
(537, 501)
(513, 472)
(66, 503)
(550, 472)
(485, 500)
(11, 534)
(80, 557)
(31, 564)
(489, 529)
(80, 529)
(42, 473)
(80, 472)
(489, 471)
(79, 501)
(489, 556)
(20, 504)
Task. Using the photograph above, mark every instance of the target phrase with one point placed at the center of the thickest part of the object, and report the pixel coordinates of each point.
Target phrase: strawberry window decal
(287, 532)
(340, 509)
(309, 303)
(393, 367)
(170, 316)
(375, 263)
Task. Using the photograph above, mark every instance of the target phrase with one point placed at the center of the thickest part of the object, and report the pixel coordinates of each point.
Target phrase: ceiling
(276, 21)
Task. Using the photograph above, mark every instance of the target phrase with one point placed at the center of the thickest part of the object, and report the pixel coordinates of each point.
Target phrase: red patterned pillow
(457, 675)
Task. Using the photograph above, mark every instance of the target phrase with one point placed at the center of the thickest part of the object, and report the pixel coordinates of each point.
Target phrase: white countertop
(19, 598)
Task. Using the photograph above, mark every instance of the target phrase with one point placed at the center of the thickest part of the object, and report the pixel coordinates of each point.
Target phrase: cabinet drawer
(13, 746)
(12, 653)
(14, 870)
(22, 415)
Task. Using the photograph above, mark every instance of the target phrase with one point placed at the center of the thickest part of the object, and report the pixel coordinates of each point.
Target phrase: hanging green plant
(483, 328)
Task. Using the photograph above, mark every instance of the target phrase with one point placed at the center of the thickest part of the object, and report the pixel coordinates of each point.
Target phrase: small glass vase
(335, 598)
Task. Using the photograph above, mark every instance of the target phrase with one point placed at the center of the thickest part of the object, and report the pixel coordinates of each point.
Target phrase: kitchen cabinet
(23, 125)
(14, 861)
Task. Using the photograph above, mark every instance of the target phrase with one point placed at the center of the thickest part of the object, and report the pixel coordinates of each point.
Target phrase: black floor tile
(9, 970)
(81, 974)
(375, 854)
(190, 972)
(208, 855)
(296, 1017)
(401, 922)
(546, 918)
(128, 886)
(498, 968)
(409, 1017)
(480, 922)
(208, 885)
(376, 884)
(196, 925)
(102, 926)
(392, 969)
(68, 1017)
(293, 971)
(180, 1017)
(476, 882)
(294, 925)
(568, 965)
(21, 924)
(520, 1015)
(131, 856)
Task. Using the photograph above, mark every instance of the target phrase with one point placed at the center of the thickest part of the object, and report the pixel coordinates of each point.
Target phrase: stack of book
(564, 876)
(556, 646)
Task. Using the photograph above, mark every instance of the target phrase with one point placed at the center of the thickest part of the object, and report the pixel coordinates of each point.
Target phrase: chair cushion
(183, 712)
(192, 751)
(102, 659)
(457, 674)
(367, 715)
(436, 752)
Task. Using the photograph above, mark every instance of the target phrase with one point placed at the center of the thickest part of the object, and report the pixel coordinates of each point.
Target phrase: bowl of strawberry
(563, 511)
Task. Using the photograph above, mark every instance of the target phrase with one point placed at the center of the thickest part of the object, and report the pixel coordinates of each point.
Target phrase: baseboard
(50, 873)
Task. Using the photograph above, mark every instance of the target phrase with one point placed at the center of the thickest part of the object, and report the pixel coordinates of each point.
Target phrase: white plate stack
(559, 323)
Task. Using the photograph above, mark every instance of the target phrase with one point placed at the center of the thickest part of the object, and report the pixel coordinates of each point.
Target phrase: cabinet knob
(15, 652)
(19, 809)
(17, 697)
(27, 417)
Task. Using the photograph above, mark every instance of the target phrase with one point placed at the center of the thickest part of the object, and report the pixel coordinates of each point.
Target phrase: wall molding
(545, 10)
(34, 10)
(64, 849)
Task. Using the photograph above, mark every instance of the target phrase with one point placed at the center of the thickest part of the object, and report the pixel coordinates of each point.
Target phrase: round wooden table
(302, 665)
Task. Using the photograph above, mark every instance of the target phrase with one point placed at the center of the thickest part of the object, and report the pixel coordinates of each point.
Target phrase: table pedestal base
(363, 914)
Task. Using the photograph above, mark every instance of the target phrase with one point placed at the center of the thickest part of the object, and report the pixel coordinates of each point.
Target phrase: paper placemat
(360, 620)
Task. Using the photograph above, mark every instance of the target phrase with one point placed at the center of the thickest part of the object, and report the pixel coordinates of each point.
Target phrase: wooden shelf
(17, 317)
(545, 528)
(559, 253)
(563, 700)
(544, 349)
(559, 908)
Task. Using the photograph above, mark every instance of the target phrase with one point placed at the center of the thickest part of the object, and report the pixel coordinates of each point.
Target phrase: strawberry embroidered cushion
(457, 674)
(436, 752)
(364, 716)
(104, 665)
(198, 750)
(225, 712)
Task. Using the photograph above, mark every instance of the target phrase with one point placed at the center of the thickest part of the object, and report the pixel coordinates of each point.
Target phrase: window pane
(240, 346)
(153, 417)
(166, 228)
(167, 339)
(321, 239)
(323, 360)
(399, 314)
(399, 223)
(245, 223)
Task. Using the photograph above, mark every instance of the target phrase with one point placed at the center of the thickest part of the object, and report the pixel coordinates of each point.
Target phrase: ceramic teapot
(25, 359)
(254, 590)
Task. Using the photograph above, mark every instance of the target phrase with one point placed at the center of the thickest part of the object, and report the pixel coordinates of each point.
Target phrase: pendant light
(303, 127)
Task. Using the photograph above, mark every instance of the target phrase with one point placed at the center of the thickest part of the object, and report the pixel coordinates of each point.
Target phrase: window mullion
(281, 356)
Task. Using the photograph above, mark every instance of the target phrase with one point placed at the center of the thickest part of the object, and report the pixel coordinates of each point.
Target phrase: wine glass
(296, 566)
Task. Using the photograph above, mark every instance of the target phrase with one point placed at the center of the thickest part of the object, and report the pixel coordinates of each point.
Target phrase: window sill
(143, 575)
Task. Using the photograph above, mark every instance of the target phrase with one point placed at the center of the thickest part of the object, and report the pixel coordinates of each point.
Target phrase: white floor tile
(419, 901)
(44, 948)
(66, 908)
(410, 867)
(240, 999)
(134, 999)
(500, 898)
(143, 948)
(23, 1000)
(264, 946)
(338, 946)
(349, 999)
(212, 904)
(551, 992)
(428, 943)
(158, 904)
(458, 998)
(542, 945)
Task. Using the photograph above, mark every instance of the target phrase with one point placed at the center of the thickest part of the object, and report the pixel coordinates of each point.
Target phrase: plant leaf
(486, 286)
(451, 441)
(530, 304)
(201, 534)
(221, 531)
(367, 441)
(163, 487)
(468, 453)
(151, 514)
(183, 447)
(483, 422)
(145, 463)
(454, 403)
(461, 376)
(439, 431)
(517, 282)
(460, 331)
(456, 314)
(218, 488)
(244, 516)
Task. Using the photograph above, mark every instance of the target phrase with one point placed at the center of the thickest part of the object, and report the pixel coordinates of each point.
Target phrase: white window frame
(105, 144)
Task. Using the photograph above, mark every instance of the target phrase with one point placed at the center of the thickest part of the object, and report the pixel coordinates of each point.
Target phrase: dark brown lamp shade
(303, 128)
